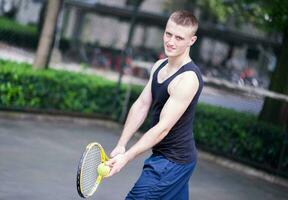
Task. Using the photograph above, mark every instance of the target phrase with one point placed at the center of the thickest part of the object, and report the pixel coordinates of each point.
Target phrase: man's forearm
(147, 141)
(135, 119)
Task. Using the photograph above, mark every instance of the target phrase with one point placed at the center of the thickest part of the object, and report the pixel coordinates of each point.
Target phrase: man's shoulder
(185, 85)
(187, 78)
(194, 68)
(157, 64)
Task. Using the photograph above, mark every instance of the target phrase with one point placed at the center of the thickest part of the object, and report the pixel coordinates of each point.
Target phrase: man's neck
(177, 62)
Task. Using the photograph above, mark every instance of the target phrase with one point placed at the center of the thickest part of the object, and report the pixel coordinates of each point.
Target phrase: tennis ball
(103, 170)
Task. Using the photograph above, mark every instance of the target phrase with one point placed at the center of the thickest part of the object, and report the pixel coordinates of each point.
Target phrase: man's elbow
(142, 106)
(164, 130)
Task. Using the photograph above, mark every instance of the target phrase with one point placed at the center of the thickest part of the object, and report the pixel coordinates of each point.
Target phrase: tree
(271, 16)
(275, 14)
(47, 34)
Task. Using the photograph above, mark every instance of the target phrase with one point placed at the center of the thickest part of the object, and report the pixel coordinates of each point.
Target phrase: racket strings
(89, 170)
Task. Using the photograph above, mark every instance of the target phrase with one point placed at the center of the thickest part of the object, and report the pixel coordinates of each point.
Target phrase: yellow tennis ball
(103, 170)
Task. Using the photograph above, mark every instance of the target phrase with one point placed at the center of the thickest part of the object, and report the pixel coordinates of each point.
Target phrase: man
(172, 91)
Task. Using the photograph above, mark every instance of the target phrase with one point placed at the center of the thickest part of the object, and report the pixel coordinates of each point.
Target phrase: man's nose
(171, 41)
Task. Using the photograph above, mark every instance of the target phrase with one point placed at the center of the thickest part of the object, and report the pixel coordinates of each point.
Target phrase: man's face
(177, 39)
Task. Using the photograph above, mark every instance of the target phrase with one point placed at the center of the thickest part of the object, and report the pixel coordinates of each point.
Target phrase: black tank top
(179, 144)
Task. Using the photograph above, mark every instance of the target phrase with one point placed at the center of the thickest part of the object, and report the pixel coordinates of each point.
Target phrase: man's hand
(117, 150)
(117, 163)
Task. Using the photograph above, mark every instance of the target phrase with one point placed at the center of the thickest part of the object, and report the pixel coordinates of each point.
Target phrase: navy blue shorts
(162, 179)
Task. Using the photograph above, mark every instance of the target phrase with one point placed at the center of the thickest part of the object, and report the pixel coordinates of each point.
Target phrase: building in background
(222, 51)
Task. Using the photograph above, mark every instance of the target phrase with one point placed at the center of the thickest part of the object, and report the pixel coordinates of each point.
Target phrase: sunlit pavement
(39, 158)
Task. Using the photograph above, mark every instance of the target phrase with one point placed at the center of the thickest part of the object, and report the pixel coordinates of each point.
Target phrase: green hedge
(241, 136)
(22, 87)
(17, 34)
(236, 135)
(20, 35)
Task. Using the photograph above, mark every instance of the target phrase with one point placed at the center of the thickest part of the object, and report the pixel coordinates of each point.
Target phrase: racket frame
(104, 158)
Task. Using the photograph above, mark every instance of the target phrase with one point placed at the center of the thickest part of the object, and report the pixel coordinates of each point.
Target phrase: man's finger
(110, 162)
(113, 154)
(112, 172)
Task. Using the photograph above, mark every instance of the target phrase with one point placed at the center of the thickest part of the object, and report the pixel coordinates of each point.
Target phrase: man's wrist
(120, 145)
(129, 156)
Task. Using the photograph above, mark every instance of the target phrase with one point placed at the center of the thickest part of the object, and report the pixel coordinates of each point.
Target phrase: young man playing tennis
(172, 91)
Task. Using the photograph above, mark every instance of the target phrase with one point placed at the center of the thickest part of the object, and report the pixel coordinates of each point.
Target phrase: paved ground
(39, 161)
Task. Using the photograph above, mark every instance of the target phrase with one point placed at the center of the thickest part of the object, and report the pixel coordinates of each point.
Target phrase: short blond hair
(185, 18)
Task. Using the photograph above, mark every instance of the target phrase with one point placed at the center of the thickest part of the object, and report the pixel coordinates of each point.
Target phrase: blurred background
(95, 32)
(238, 41)
(91, 58)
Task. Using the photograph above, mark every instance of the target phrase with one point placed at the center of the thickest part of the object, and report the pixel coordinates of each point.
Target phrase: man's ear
(192, 40)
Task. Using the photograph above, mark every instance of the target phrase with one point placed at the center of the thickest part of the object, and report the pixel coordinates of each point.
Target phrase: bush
(240, 136)
(23, 87)
(25, 36)
(17, 34)
(236, 135)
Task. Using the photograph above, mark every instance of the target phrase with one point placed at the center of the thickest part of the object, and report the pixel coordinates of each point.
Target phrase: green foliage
(8, 24)
(216, 8)
(269, 15)
(239, 136)
(23, 87)
(236, 135)
(17, 34)
(22, 35)
(266, 14)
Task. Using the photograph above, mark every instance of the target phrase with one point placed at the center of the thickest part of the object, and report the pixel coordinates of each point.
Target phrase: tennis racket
(88, 178)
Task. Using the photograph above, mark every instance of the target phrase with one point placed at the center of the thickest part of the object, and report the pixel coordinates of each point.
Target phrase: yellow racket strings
(89, 170)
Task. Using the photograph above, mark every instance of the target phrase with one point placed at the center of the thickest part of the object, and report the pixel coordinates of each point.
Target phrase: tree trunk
(42, 16)
(275, 111)
(47, 35)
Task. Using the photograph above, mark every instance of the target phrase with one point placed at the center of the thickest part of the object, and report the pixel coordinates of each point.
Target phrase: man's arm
(181, 95)
(136, 115)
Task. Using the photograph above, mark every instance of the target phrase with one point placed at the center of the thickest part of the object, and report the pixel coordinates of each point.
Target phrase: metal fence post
(283, 149)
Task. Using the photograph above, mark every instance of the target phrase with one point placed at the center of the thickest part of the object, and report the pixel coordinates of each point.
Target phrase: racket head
(88, 178)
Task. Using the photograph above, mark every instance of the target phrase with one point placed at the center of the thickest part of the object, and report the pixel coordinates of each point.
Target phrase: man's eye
(179, 38)
(168, 34)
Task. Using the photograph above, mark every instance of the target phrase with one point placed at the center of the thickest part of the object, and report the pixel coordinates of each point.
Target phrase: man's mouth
(169, 48)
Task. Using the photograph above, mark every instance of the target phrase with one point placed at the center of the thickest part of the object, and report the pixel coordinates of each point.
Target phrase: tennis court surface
(39, 158)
